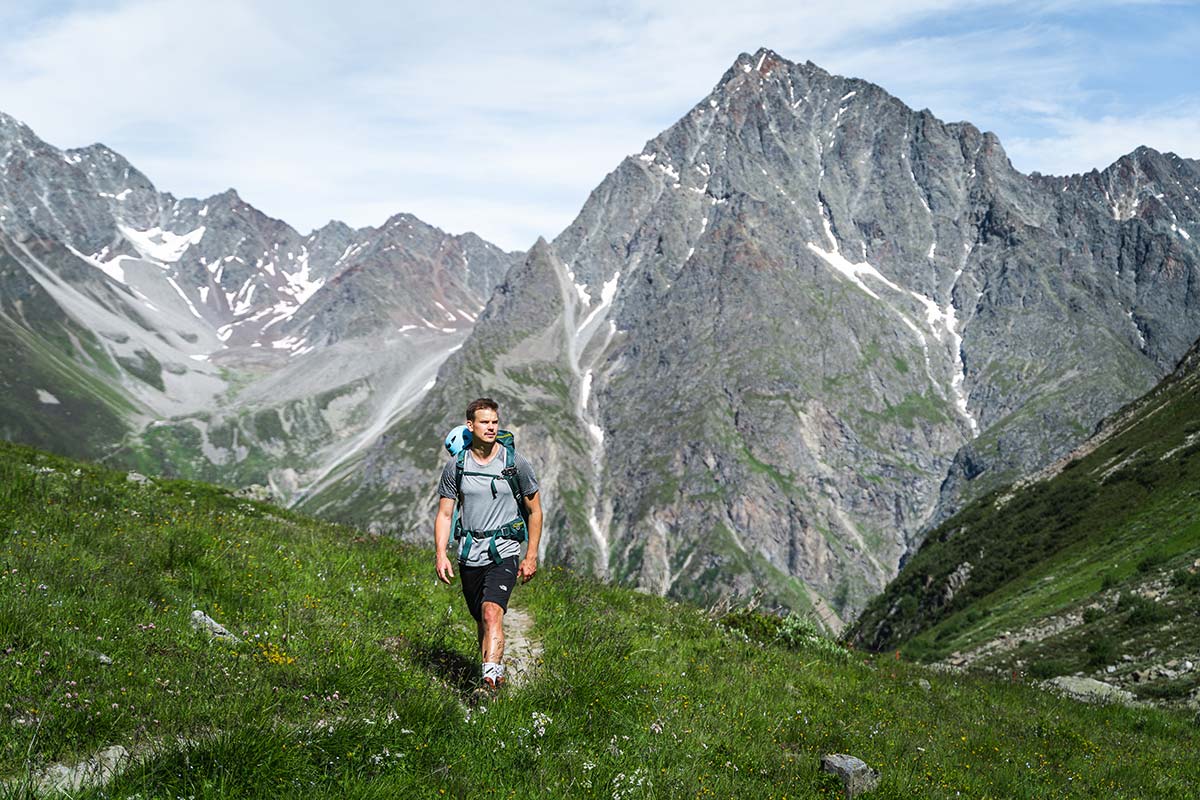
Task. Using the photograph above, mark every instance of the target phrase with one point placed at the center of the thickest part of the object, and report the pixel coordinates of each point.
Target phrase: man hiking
(489, 529)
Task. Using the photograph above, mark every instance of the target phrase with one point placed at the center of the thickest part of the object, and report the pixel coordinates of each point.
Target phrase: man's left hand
(527, 569)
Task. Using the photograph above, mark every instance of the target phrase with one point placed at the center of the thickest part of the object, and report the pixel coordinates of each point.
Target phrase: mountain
(1091, 566)
(801, 327)
(203, 337)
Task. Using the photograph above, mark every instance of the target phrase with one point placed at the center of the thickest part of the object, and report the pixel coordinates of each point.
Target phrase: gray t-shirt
(488, 502)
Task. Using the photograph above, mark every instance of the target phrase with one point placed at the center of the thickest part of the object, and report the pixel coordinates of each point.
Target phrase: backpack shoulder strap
(508, 442)
(459, 463)
(456, 522)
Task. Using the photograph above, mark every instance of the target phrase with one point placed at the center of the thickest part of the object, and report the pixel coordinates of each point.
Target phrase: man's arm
(529, 564)
(441, 538)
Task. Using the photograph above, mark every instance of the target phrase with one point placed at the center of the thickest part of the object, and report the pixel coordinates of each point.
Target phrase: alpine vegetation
(345, 675)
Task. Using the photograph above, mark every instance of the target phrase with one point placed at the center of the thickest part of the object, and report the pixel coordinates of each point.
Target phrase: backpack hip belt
(514, 530)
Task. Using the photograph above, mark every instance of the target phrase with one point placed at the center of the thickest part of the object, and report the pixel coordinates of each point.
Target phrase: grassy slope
(1114, 521)
(354, 663)
(90, 416)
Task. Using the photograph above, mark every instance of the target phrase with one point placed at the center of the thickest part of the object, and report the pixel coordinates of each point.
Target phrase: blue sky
(502, 122)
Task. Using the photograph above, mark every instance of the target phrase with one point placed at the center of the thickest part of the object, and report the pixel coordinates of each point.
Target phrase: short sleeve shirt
(488, 502)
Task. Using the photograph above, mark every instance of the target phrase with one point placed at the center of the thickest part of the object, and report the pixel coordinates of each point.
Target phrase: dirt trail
(522, 650)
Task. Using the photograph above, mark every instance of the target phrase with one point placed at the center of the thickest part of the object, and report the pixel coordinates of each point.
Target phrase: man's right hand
(445, 571)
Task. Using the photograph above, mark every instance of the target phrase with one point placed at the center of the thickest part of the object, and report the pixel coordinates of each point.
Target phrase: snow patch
(585, 391)
(301, 284)
(288, 343)
(244, 304)
(184, 297)
(160, 245)
(1137, 328)
(110, 268)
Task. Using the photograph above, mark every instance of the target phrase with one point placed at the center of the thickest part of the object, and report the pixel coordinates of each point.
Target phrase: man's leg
(498, 585)
(491, 629)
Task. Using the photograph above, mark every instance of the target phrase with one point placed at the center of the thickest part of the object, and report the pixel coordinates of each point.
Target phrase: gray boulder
(857, 778)
(1090, 690)
(62, 779)
(206, 624)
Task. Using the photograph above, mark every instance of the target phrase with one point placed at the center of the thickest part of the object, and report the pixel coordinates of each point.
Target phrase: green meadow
(354, 674)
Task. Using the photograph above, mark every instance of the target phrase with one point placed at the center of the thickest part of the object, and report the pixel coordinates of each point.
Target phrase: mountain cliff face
(204, 338)
(805, 323)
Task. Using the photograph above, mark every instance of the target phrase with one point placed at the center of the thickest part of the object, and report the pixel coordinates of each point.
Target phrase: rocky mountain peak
(802, 320)
(12, 130)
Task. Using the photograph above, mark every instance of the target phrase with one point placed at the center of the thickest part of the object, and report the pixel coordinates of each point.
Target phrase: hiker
(498, 508)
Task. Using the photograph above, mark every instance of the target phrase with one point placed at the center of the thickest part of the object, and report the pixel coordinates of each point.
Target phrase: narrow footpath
(522, 650)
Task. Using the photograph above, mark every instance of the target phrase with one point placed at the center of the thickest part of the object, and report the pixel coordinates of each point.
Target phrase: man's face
(485, 426)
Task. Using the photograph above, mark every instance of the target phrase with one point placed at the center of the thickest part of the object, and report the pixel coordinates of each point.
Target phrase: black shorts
(491, 583)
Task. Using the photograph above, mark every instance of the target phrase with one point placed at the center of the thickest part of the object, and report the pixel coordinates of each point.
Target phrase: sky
(501, 118)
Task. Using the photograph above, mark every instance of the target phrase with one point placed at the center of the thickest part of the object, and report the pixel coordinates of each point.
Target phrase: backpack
(516, 530)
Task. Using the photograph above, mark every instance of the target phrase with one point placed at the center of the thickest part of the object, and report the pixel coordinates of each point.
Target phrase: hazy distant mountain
(203, 337)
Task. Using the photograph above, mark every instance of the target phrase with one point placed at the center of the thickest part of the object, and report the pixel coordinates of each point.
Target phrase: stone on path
(856, 776)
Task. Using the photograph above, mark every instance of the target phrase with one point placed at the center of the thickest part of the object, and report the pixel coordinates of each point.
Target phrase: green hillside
(1092, 571)
(354, 664)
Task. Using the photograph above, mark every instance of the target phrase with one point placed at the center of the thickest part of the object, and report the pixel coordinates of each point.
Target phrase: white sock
(492, 670)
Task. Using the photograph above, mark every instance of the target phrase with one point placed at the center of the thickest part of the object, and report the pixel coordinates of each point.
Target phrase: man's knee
(493, 614)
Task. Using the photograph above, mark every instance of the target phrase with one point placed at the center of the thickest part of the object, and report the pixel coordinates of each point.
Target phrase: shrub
(1092, 614)
(1151, 560)
(801, 631)
(1186, 579)
(1101, 650)
(1049, 668)
(1141, 610)
(754, 624)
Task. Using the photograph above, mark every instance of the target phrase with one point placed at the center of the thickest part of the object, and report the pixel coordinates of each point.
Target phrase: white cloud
(1078, 144)
(498, 120)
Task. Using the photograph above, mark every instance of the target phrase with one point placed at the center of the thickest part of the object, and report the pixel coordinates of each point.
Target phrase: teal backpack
(518, 529)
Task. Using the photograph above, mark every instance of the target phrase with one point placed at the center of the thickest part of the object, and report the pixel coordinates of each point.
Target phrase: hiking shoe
(493, 684)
